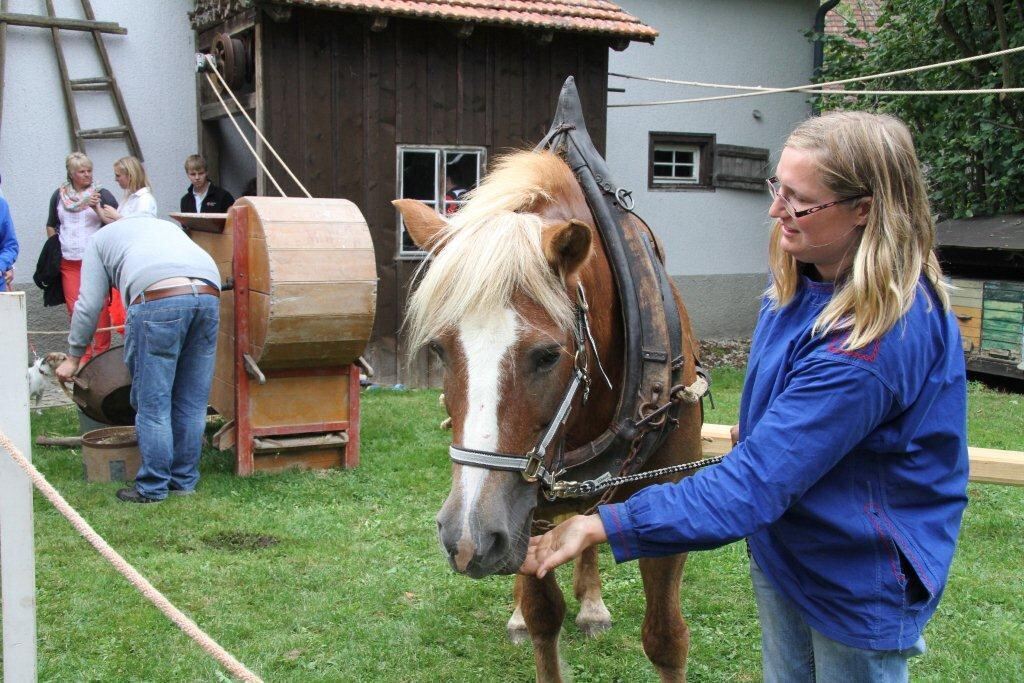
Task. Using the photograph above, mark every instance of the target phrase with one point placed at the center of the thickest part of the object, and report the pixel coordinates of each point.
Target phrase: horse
(496, 306)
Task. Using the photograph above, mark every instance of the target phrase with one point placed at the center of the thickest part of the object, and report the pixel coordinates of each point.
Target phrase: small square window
(439, 177)
(680, 161)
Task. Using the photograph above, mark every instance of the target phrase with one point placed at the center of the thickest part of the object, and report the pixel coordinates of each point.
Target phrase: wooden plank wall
(339, 97)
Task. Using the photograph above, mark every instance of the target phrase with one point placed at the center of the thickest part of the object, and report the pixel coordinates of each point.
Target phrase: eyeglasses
(775, 188)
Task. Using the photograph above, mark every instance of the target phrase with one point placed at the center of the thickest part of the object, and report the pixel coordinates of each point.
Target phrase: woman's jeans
(793, 652)
(170, 349)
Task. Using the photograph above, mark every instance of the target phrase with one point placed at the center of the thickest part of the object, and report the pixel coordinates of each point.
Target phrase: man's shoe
(132, 495)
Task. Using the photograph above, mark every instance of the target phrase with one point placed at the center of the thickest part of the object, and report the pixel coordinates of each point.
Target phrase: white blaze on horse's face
(485, 340)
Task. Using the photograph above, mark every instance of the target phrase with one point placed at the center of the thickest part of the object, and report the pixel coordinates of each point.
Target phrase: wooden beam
(988, 465)
(993, 466)
(67, 24)
(212, 110)
(61, 441)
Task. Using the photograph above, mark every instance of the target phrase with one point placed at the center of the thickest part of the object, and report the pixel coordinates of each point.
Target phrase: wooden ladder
(123, 130)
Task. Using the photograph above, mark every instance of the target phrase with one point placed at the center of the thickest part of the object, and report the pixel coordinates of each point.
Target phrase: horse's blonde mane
(492, 249)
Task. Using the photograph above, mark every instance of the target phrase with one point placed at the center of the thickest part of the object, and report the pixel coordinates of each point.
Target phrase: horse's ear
(422, 223)
(567, 246)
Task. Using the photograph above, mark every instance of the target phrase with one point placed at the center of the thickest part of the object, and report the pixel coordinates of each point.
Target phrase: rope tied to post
(183, 622)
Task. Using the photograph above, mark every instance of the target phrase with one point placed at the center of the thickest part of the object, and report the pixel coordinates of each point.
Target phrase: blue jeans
(170, 348)
(791, 651)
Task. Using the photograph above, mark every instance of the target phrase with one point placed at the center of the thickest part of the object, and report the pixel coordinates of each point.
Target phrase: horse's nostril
(498, 545)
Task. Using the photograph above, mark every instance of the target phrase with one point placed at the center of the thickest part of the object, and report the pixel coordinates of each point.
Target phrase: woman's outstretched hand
(563, 543)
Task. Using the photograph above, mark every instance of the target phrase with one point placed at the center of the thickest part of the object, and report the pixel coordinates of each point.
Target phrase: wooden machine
(291, 330)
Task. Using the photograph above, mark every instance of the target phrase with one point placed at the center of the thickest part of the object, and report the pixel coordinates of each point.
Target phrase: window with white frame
(677, 164)
(437, 176)
(680, 161)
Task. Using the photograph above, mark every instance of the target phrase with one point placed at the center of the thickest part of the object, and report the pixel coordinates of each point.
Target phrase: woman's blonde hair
(132, 167)
(75, 161)
(857, 154)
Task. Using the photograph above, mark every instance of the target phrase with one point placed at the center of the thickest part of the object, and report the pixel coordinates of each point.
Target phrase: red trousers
(71, 279)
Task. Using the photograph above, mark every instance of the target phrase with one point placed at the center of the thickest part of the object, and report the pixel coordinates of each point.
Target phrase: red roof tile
(580, 16)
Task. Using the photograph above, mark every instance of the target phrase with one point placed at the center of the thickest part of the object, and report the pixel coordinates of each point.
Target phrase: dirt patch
(716, 353)
(237, 541)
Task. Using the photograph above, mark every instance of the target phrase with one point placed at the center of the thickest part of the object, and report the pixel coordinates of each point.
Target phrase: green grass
(356, 589)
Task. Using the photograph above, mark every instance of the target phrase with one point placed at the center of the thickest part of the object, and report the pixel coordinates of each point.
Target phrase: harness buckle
(534, 463)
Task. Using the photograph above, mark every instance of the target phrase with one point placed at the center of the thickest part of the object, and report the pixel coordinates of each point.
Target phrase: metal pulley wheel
(232, 59)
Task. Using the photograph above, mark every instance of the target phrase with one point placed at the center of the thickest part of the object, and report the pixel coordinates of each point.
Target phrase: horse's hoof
(516, 628)
(592, 629)
(594, 619)
(517, 635)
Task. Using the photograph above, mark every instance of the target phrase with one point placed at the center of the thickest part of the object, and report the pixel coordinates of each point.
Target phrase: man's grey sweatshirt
(132, 254)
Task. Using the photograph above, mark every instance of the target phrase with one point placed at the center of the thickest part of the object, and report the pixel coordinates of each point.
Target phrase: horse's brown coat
(500, 520)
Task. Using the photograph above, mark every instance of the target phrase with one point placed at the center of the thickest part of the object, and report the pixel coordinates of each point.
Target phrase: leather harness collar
(652, 391)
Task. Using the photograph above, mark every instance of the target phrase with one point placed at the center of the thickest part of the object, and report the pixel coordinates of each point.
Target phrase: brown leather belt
(179, 290)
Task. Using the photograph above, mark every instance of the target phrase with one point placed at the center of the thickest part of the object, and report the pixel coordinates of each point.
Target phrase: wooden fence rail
(988, 465)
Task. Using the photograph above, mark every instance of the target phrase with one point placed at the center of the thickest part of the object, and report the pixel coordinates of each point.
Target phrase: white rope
(213, 65)
(971, 91)
(802, 91)
(189, 627)
(812, 88)
(242, 135)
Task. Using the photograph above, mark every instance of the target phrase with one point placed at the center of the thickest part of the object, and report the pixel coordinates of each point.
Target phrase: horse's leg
(666, 637)
(543, 610)
(516, 627)
(593, 617)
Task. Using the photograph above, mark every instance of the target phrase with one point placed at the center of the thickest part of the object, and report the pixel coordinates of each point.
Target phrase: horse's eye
(437, 350)
(546, 358)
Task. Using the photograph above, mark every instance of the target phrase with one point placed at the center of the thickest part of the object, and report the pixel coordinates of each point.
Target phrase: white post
(17, 544)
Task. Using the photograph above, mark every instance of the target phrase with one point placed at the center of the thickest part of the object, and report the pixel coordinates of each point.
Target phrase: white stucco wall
(717, 238)
(154, 67)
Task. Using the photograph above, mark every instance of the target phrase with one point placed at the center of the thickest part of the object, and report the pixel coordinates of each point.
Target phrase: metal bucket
(110, 454)
(103, 388)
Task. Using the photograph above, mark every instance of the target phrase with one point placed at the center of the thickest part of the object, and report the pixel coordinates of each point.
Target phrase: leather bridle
(534, 466)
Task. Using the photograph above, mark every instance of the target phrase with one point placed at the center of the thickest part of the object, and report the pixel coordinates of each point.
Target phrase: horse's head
(494, 307)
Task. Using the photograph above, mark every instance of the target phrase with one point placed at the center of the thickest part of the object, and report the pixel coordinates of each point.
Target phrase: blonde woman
(849, 471)
(138, 198)
(74, 214)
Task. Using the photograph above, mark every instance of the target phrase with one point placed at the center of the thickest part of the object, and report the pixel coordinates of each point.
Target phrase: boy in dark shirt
(202, 196)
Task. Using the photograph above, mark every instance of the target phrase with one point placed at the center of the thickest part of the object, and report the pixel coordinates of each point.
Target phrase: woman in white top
(138, 199)
(76, 214)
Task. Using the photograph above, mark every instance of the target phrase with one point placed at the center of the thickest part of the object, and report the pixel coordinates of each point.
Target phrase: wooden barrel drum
(305, 294)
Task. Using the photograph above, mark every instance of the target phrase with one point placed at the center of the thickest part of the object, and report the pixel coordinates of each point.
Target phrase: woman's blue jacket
(850, 477)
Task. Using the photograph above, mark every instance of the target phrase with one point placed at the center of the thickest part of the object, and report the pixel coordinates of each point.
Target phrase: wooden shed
(984, 258)
(371, 100)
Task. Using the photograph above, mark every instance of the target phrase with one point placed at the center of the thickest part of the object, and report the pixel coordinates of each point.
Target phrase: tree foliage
(972, 146)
